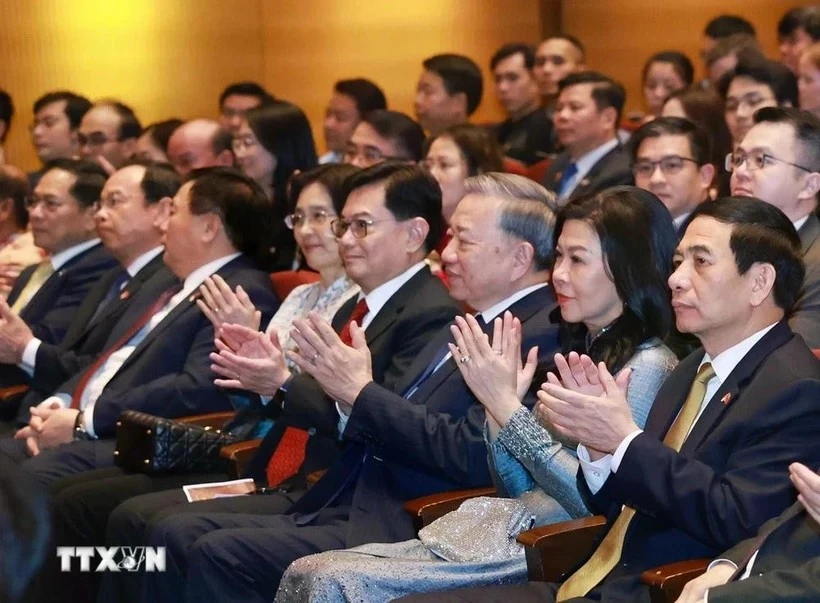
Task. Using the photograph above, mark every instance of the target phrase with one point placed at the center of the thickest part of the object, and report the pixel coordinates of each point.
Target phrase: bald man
(199, 143)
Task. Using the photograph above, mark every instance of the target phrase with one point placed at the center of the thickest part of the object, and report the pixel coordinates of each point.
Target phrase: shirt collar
(678, 222)
(143, 260)
(491, 313)
(798, 224)
(377, 298)
(198, 276)
(725, 362)
(587, 161)
(59, 259)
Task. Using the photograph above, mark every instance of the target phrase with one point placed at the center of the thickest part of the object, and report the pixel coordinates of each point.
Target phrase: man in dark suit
(425, 436)
(156, 357)
(710, 466)
(782, 563)
(586, 119)
(778, 161)
(133, 209)
(61, 217)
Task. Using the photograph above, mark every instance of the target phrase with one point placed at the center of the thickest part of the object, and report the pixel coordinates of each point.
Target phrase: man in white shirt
(586, 118)
(156, 359)
(711, 465)
(671, 159)
(778, 161)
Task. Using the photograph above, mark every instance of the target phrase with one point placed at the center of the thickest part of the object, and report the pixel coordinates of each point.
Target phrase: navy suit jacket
(731, 473)
(169, 373)
(398, 449)
(613, 169)
(50, 312)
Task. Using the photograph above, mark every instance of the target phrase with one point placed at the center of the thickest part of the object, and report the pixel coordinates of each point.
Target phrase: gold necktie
(38, 277)
(608, 553)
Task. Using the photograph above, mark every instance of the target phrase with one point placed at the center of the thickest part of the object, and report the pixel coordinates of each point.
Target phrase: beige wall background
(171, 58)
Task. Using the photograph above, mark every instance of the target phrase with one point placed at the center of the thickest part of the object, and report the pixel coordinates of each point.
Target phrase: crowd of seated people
(571, 318)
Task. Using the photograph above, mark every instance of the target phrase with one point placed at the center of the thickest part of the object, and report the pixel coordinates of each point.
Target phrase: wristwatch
(80, 434)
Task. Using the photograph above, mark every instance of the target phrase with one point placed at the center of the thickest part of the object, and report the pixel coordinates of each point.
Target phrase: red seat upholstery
(286, 281)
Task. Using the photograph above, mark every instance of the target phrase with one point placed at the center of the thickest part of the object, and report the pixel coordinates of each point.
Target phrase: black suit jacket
(169, 373)
(400, 448)
(401, 329)
(87, 334)
(50, 312)
(805, 320)
(613, 169)
(731, 474)
(787, 566)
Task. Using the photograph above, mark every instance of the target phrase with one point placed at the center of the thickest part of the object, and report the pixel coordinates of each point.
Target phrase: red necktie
(289, 455)
(133, 330)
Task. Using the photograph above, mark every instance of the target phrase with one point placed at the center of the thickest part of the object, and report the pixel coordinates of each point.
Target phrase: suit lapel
(128, 291)
(809, 233)
(395, 305)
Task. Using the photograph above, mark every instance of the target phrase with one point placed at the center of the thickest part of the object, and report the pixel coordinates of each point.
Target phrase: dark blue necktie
(113, 292)
(566, 177)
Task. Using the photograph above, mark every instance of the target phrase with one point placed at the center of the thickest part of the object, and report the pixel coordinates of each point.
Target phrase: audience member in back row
(755, 83)
(526, 135)
(351, 100)
(808, 81)
(586, 119)
(6, 115)
(384, 135)
(54, 132)
(670, 158)
(664, 73)
(152, 145)
(555, 58)
(722, 27)
(778, 161)
(272, 142)
(448, 91)
(200, 143)
(723, 57)
(17, 248)
(238, 98)
(108, 134)
(798, 29)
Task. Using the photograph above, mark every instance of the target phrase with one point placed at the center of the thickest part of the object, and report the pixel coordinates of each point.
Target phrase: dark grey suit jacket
(805, 319)
(613, 169)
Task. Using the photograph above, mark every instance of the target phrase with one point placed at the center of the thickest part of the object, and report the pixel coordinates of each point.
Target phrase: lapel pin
(125, 294)
(558, 176)
(726, 400)
(584, 182)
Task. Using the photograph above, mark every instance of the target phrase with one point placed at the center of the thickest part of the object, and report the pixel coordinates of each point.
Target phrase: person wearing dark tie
(782, 563)
(711, 464)
(156, 357)
(131, 215)
(586, 118)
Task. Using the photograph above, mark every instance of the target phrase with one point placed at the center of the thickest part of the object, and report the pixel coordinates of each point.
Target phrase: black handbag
(158, 446)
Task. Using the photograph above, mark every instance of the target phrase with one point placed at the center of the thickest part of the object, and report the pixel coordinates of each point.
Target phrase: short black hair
(75, 105)
(246, 89)
(513, 48)
(90, 178)
(14, 185)
(773, 74)
(460, 74)
(130, 126)
(332, 177)
(399, 128)
(159, 181)
(6, 112)
(606, 92)
(806, 18)
(365, 94)
(681, 64)
(700, 145)
(806, 126)
(761, 232)
(239, 201)
(410, 192)
(160, 131)
(727, 25)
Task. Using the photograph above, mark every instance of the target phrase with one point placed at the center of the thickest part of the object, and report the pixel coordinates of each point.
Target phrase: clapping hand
(222, 306)
(254, 360)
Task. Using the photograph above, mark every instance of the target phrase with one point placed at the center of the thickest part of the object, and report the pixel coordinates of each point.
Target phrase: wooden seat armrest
(240, 455)
(427, 509)
(7, 393)
(667, 581)
(554, 550)
(215, 420)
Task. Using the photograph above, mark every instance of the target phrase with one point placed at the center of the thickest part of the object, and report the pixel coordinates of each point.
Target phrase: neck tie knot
(360, 310)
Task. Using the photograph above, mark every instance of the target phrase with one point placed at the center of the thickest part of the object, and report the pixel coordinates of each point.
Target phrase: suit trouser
(132, 521)
(62, 461)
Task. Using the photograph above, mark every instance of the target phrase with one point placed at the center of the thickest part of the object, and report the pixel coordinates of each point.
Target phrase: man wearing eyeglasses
(670, 158)
(108, 134)
(383, 135)
(778, 161)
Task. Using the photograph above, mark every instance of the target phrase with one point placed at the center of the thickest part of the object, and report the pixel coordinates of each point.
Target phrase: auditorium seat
(286, 281)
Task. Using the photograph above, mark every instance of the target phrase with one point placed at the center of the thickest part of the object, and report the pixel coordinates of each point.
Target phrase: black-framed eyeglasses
(367, 155)
(670, 165)
(296, 219)
(358, 226)
(756, 160)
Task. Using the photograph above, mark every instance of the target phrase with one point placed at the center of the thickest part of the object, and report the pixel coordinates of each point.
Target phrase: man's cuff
(595, 472)
(88, 420)
(620, 451)
(62, 399)
(265, 399)
(30, 356)
(344, 417)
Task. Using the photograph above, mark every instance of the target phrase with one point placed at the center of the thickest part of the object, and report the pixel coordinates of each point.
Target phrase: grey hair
(526, 214)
